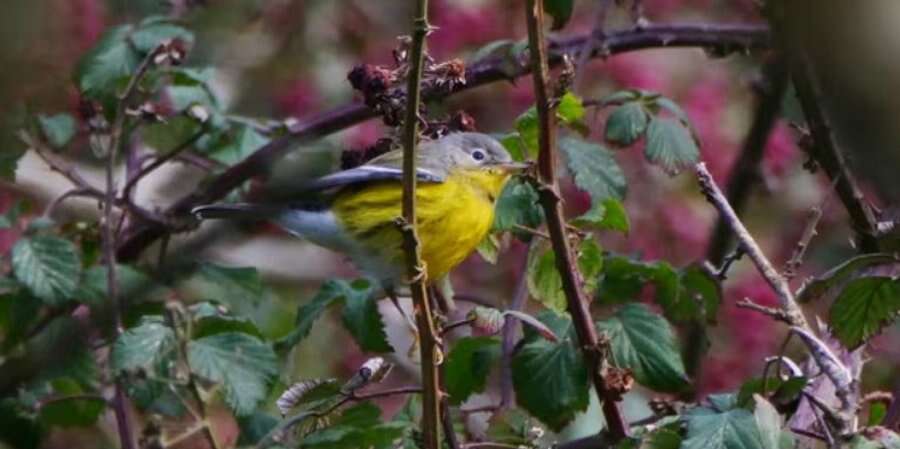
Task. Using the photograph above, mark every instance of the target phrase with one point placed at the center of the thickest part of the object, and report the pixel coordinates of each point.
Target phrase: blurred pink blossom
(297, 99)
(86, 23)
(634, 70)
(461, 26)
(781, 150)
(706, 103)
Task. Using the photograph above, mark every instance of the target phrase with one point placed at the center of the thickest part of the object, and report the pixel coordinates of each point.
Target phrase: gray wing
(368, 173)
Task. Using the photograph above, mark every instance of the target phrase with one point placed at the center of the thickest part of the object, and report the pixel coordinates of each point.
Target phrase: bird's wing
(384, 167)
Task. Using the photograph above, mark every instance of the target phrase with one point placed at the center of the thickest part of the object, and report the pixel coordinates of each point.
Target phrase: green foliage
(560, 11)
(627, 123)
(357, 426)
(468, 365)
(549, 378)
(131, 283)
(244, 364)
(864, 307)
(70, 412)
(608, 214)
(779, 391)
(594, 168)
(57, 129)
(49, 266)
(144, 346)
(836, 276)
(544, 282)
(645, 343)
(732, 428)
(517, 205)
(670, 145)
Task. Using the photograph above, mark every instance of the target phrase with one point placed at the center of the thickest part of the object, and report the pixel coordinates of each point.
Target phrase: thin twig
(429, 341)
(456, 324)
(548, 190)
(159, 161)
(771, 312)
(531, 231)
(809, 231)
(717, 37)
(508, 336)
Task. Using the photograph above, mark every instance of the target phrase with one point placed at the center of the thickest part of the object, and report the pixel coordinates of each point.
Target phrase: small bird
(460, 177)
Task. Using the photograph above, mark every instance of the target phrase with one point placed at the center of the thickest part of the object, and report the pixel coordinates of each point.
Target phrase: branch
(826, 152)
(429, 344)
(548, 189)
(159, 161)
(716, 37)
(510, 328)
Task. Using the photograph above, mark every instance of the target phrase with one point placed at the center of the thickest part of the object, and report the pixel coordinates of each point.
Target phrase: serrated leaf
(732, 429)
(468, 365)
(101, 70)
(357, 427)
(212, 325)
(699, 296)
(671, 107)
(594, 168)
(155, 30)
(626, 123)
(244, 365)
(73, 412)
(239, 287)
(527, 127)
(768, 422)
(670, 145)
(550, 379)
(645, 343)
(517, 205)
(143, 346)
(817, 287)
(863, 308)
(132, 284)
(560, 11)
(609, 214)
(363, 320)
(332, 291)
(570, 111)
(57, 129)
(49, 266)
(544, 282)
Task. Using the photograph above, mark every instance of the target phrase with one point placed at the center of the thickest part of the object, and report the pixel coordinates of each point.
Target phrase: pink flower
(781, 150)
(297, 98)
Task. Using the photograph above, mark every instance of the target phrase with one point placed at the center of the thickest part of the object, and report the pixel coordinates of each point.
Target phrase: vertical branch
(428, 344)
(551, 202)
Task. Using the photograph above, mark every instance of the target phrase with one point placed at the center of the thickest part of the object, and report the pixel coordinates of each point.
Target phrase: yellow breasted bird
(460, 177)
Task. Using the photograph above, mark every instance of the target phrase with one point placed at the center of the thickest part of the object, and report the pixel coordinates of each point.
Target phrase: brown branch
(548, 189)
(827, 154)
(809, 231)
(429, 341)
(715, 37)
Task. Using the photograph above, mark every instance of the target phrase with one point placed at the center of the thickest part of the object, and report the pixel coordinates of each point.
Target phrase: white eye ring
(478, 155)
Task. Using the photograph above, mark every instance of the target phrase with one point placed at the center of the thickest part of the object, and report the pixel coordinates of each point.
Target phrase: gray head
(470, 150)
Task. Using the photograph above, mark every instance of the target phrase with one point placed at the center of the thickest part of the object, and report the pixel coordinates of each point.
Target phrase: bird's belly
(452, 221)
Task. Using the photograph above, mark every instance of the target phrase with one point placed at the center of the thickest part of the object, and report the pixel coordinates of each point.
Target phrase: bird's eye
(478, 155)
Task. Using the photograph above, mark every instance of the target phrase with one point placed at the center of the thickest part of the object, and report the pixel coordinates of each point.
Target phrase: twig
(717, 37)
(531, 231)
(809, 231)
(429, 341)
(809, 434)
(508, 336)
(548, 190)
(120, 406)
(736, 255)
(828, 155)
(447, 423)
(146, 170)
(456, 324)
(775, 314)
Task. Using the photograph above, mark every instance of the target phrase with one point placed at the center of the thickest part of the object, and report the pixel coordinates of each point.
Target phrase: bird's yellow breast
(453, 218)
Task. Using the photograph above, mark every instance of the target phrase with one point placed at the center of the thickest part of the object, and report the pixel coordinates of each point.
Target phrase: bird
(460, 177)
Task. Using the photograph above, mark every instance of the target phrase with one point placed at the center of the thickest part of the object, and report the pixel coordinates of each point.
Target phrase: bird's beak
(514, 166)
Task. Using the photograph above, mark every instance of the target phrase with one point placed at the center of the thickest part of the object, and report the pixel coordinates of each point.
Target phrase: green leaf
(511, 426)
(468, 365)
(626, 123)
(332, 291)
(244, 365)
(594, 168)
(73, 412)
(670, 145)
(781, 392)
(662, 439)
(673, 108)
(489, 249)
(359, 426)
(169, 135)
(517, 205)
(239, 287)
(254, 427)
(837, 275)
(102, 69)
(240, 143)
(57, 129)
(644, 342)
(609, 214)
(560, 11)
(156, 30)
(768, 422)
(861, 442)
(544, 282)
(218, 324)
(733, 429)
(698, 297)
(17, 428)
(49, 266)
(570, 112)
(362, 319)
(516, 146)
(144, 346)
(132, 284)
(527, 126)
(864, 307)
(877, 412)
(550, 379)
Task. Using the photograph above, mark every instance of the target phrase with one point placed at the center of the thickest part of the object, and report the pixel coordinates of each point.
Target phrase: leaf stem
(548, 190)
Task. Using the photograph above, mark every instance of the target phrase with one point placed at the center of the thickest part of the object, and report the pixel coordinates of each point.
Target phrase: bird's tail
(234, 211)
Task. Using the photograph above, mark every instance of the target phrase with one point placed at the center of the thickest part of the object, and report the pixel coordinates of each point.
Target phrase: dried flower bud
(619, 381)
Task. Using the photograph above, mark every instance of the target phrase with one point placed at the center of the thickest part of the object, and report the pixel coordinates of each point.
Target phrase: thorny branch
(834, 369)
(720, 38)
(429, 344)
(550, 200)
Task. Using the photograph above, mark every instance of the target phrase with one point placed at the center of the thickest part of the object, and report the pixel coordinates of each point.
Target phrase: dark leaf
(517, 205)
(307, 314)
(143, 346)
(594, 168)
(837, 275)
(560, 11)
(132, 284)
(645, 343)
(103, 69)
(73, 412)
(733, 429)
(544, 282)
(549, 378)
(468, 365)
(49, 266)
(609, 214)
(670, 145)
(864, 307)
(362, 319)
(57, 129)
(626, 123)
